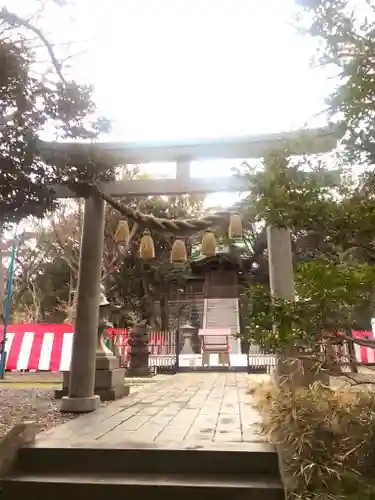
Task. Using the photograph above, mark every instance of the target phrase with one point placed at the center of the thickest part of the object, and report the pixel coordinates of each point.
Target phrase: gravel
(20, 404)
(17, 405)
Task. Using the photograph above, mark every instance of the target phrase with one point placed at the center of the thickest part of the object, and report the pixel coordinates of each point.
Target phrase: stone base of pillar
(80, 405)
(109, 380)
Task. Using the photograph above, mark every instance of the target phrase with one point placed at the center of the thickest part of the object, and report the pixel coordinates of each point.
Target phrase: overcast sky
(179, 69)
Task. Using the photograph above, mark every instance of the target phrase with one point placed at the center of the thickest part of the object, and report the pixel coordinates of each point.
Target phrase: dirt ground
(33, 377)
(20, 404)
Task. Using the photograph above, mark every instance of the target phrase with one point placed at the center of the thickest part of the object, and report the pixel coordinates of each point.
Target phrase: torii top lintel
(309, 141)
(318, 140)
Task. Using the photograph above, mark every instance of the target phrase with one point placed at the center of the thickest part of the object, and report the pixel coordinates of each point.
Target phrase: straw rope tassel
(146, 246)
(235, 229)
(122, 232)
(178, 251)
(209, 244)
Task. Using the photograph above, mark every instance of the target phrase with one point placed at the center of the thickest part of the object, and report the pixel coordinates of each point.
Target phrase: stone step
(223, 307)
(222, 301)
(232, 328)
(219, 323)
(223, 313)
(132, 486)
(254, 458)
(222, 310)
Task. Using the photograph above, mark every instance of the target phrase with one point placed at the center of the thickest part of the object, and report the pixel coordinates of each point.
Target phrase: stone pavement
(182, 410)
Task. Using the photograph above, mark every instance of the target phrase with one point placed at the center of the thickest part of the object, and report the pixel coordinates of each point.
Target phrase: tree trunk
(294, 372)
(144, 302)
(164, 312)
(288, 372)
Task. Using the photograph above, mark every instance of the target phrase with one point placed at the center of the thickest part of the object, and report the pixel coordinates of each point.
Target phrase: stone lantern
(187, 331)
(139, 352)
(109, 375)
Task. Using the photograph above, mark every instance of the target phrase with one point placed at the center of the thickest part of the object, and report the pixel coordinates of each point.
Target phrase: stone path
(184, 409)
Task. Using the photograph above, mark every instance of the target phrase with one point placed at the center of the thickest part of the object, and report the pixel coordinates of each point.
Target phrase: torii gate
(81, 397)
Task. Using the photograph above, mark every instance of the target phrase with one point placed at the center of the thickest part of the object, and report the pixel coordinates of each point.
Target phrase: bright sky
(172, 69)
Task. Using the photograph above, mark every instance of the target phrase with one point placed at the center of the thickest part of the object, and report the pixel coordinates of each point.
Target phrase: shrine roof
(223, 251)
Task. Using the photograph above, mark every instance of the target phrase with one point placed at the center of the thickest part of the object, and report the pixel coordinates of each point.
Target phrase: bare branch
(120, 256)
(14, 20)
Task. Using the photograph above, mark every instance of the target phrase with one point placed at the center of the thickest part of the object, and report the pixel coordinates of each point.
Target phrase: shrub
(326, 440)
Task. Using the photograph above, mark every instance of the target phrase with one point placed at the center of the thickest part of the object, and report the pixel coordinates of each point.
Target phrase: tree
(327, 294)
(329, 209)
(137, 285)
(345, 32)
(47, 266)
(30, 102)
(345, 35)
(333, 237)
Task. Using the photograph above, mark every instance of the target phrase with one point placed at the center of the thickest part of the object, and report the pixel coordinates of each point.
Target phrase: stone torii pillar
(81, 397)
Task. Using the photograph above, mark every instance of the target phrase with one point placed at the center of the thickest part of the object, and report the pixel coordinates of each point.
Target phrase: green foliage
(52, 283)
(327, 294)
(330, 211)
(28, 105)
(346, 32)
(47, 271)
(333, 242)
(294, 194)
(137, 285)
(271, 324)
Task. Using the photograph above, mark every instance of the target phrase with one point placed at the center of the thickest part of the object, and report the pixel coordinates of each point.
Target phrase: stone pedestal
(139, 353)
(109, 376)
(109, 380)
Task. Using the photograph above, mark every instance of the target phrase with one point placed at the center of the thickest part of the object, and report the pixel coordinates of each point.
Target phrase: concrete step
(132, 486)
(254, 458)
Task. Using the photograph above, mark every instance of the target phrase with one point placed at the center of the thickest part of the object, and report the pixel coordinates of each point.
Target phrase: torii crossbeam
(183, 153)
